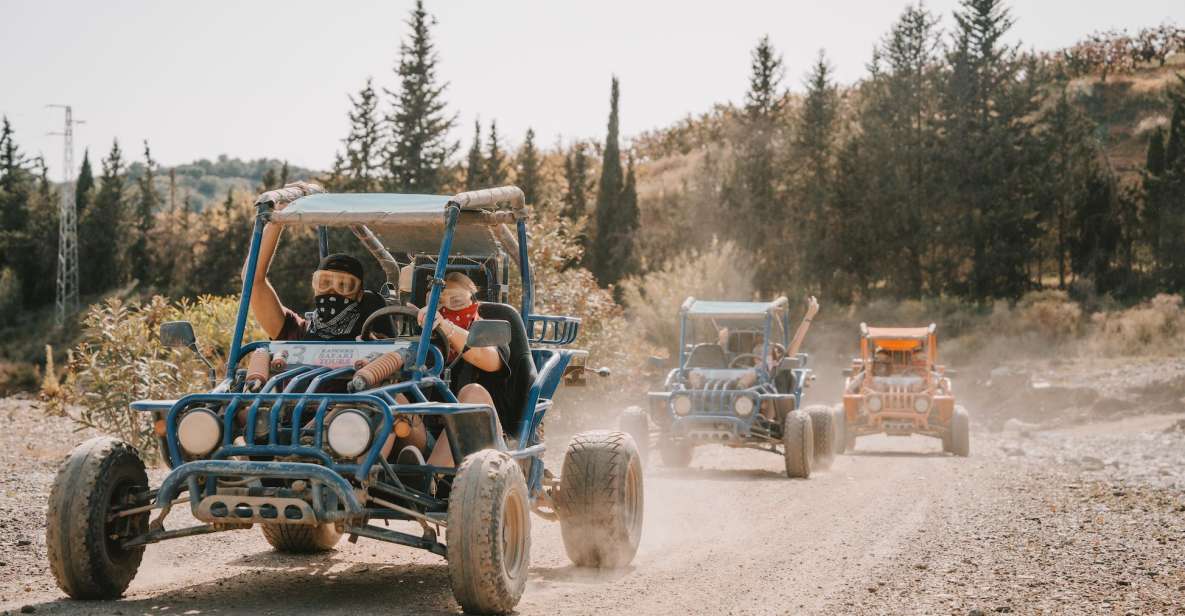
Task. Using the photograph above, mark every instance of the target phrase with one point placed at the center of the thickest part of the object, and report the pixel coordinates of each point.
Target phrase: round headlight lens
(921, 404)
(199, 431)
(743, 405)
(349, 433)
(873, 403)
(682, 405)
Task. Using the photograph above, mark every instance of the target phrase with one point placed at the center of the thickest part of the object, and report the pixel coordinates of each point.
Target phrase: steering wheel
(403, 312)
(752, 358)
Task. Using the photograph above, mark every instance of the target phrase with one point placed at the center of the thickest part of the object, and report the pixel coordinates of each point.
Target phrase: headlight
(921, 404)
(743, 405)
(682, 405)
(349, 433)
(873, 403)
(199, 432)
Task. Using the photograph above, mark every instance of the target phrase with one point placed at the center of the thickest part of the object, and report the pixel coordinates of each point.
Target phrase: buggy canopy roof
(897, 333)
(406, 223)
(705, 309)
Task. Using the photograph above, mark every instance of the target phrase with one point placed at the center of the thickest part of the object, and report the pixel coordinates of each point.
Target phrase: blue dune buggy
(735, 386)
(298, 451)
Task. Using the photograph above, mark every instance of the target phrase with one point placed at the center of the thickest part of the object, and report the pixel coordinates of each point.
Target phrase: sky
(271, 78)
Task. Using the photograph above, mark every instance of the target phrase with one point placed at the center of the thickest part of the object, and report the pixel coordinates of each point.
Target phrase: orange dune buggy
(897, 387)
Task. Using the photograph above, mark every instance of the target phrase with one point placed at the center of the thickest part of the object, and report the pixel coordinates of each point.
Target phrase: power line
(66, 299)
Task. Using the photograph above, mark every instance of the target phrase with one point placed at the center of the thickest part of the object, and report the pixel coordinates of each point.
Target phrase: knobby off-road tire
(676, 453)
(960, 433)
(302, 538)
(635, 423)
(600, 500)
(824, 435)
(86, 562)
(798, 444)
(489, 533)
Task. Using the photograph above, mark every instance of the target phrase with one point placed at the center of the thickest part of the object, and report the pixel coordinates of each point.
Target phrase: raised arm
(265, 302)
(812, 308)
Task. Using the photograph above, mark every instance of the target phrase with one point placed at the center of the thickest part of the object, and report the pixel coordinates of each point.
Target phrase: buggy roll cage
(695, 309)
(494, 207)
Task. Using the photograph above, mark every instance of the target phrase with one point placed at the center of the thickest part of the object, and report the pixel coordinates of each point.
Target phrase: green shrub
(119, 360)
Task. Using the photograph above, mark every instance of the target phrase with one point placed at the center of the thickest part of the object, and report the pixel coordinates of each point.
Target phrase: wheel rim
(514, 528)
(119, 528)
(633, 500)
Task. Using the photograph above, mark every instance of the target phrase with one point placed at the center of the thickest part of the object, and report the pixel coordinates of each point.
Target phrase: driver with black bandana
(342, 305)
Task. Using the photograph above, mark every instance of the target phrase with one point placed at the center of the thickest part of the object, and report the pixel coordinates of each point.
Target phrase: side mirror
(488, 333)
(791, 363)
(178, 334)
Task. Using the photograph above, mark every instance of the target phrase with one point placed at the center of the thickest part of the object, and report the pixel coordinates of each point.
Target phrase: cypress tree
(103, 230)
(14, 181)
(604, 264)
(474, 174)
(283, 173)
(269, 180)
(495, 163)
(84, 185)
(363, 142)
(145, 211)
(1154, 162)
(814, 142)
(419, 123)
(576, 183)
(527, 172)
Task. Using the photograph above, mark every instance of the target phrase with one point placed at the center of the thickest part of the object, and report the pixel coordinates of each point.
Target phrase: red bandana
(463, 318)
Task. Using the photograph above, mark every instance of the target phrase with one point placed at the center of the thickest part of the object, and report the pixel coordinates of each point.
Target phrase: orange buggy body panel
(896, 386)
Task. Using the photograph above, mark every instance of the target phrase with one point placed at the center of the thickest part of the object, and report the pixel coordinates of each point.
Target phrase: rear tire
(489, 533)
(823, 432)
(960, 428)
(301, 538)
(97, 476)
(635, 423)
(798, 444)
(600, 500)
(676, 453)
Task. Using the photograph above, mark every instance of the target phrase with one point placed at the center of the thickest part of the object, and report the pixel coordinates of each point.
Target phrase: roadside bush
(119, 359)
(1155, 327)
(1050, 315)
(652, 301)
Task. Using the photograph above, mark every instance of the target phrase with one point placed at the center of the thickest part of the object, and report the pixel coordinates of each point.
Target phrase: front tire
(600, 499)
(676, 453)
(302, 538)
(489, 533)
(823, 432)
(960, 429)
(635, 423)
(98, 476)
(798, 444)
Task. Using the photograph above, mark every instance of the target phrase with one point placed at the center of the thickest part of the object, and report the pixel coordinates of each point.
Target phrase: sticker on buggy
(328, 355)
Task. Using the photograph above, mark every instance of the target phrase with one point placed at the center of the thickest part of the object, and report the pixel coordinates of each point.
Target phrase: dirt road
(1078, 521)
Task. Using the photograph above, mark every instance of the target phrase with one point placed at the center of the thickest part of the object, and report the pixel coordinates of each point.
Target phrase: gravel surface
(1084, 520)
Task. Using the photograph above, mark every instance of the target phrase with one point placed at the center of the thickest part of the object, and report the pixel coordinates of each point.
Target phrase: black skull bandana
(336, 317)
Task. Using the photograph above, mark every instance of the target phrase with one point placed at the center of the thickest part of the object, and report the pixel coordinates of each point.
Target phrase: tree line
(958, 165)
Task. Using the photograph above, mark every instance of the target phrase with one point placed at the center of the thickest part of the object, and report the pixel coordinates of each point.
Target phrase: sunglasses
(330, 281)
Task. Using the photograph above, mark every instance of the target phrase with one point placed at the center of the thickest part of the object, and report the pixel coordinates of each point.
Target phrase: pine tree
(283, 174)
(419, 123)
(14, 181)
(753, 191)
(815, 137)
(527, 172)
(269, 181)
(363, 144)
(85, 185)
(40, 254)
(139, 256)
(604, 261)
(474, 170)
(495, 162)
(576, 183)
(103, 230)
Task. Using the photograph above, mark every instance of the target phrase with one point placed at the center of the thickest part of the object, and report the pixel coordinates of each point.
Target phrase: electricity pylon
(66, 299)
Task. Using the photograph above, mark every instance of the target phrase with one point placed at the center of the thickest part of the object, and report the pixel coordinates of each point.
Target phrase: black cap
(342, 262)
